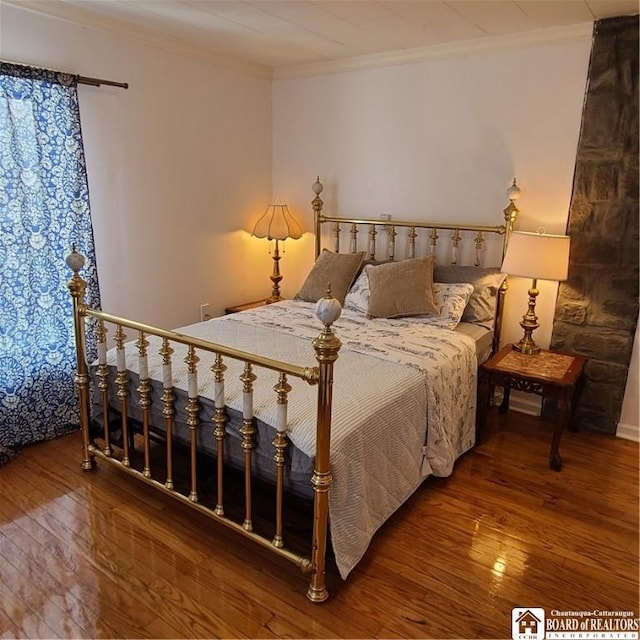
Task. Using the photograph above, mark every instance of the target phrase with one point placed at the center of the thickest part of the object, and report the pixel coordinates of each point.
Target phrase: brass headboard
(458, 231)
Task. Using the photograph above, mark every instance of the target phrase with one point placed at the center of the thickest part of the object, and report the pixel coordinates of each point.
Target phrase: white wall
(177, 165)
(629, 425)
(439, 139)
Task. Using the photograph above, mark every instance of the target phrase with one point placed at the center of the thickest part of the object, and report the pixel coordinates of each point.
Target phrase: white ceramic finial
(513, 192)
(75, 261)
(317, 186)
(328, 309)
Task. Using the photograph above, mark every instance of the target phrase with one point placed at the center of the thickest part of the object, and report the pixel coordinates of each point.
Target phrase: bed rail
(432, 230)
(413, 226)
(326, 347)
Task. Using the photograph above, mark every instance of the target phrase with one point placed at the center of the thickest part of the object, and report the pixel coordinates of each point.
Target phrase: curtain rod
(96, 82)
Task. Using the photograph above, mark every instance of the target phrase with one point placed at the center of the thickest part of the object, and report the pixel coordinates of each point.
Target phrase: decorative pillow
(335, 269)
(399, 289)
(481, 309)
(452, 299)
(369, 261)
(358, 297)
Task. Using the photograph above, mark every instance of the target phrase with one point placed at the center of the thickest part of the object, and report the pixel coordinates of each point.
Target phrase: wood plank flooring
(96, 555)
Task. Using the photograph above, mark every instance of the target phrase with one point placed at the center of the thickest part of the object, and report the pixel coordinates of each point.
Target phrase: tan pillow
(336, 269)
(402, 288)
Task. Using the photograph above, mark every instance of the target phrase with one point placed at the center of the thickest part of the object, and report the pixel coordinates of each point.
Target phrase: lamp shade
(276, 223)
(537, 255)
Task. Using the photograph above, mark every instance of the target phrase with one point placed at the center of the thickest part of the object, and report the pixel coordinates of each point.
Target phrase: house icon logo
(527, 623)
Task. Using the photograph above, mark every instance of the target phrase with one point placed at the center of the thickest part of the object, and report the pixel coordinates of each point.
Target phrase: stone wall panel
(629, 184)
(583, 218)
(603, 344)
(607, 115)
(597, 308)
(607, 372)
(590, 250)
(613, 219)
(571, 313)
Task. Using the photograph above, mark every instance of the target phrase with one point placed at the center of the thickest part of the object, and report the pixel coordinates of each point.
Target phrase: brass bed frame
(326, 347)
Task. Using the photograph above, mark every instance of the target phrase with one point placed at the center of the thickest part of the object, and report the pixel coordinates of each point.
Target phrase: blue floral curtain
(44, 210)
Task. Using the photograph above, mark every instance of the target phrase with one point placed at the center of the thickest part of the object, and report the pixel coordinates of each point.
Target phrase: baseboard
(628, 432)
(521, 402)
(532, 406)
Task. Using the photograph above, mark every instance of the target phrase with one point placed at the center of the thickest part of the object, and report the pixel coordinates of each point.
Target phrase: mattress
(481, 336)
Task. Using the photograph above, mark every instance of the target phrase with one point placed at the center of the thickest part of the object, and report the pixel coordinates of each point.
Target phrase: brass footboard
(326, 348)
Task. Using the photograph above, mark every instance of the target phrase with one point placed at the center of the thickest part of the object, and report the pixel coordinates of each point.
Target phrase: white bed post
(326, 345)
(510, 215)
(317, 205)
(77, 286)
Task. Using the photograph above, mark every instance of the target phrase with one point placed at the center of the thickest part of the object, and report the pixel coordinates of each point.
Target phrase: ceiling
(270, 37)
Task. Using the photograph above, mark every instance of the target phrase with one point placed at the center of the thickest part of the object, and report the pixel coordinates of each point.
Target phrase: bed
(389, 399)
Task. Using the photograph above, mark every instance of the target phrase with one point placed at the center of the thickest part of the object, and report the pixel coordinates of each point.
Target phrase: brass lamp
(276, 223)
(539, 256)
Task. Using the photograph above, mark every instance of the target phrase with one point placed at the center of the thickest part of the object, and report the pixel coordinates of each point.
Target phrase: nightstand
(247, 305)
(550, 374)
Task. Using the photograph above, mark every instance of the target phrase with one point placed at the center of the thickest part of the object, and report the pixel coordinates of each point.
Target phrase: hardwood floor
(97, 555)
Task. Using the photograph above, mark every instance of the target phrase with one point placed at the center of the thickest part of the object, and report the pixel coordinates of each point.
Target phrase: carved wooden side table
(550, 374)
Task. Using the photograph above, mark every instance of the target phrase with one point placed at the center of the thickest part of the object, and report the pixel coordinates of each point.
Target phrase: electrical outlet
(203, 312)
(384, 216)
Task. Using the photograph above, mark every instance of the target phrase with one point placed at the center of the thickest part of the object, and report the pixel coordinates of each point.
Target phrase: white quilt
(391, 380)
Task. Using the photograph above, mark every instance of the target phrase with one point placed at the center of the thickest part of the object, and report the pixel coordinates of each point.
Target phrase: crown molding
(81, 17)
(534, 37)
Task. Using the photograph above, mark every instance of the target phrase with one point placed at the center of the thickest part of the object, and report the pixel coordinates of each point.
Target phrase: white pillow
(357, 298)
(451, 298)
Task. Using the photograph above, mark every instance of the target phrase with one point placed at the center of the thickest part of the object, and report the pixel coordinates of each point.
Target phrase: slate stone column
(597, 308)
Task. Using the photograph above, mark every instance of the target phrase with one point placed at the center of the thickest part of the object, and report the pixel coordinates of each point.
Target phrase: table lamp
(276, 223)
(539, 256)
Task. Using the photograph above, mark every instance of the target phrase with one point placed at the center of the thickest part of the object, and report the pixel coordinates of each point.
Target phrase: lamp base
(527, 348)
(275, 277)
(529, 323)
